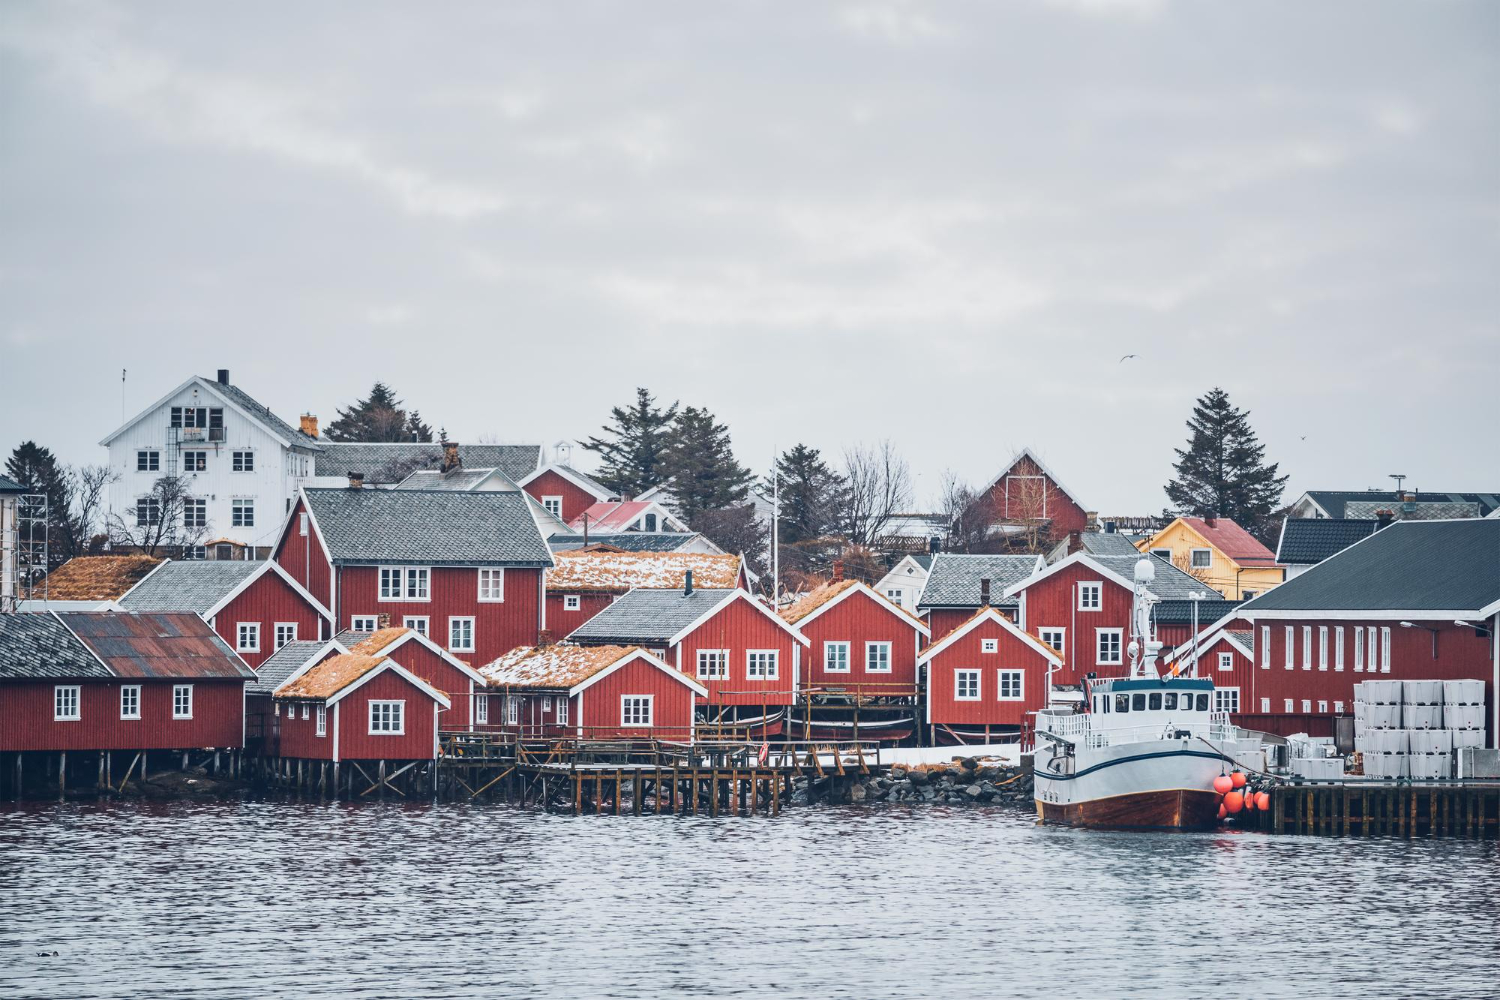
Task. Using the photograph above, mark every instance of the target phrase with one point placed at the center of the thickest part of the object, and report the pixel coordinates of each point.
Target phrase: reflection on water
(269, 899)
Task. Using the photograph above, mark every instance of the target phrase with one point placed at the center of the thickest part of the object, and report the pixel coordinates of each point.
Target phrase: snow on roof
(601, 569)
(330, 677)
(553, 667)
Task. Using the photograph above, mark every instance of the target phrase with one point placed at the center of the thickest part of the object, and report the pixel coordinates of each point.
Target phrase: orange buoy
(1234, 802)
(1238, 777)
(1222, 811)
(1262, 800)
(1223, 784)
(1249, 801)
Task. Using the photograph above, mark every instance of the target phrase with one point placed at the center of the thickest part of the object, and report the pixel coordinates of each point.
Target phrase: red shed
(565, 492)
(460, 683)
(583, 582)
(591, 692)
(353, 707)
(858, 640)
(984, 677)
(1226, 655)
(1026, 493)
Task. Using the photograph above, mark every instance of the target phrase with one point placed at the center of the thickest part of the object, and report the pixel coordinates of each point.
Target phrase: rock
(989, 773)
(883, 782)
(898, 773)
(973, 793)
(919, 777)
(969, 764)
(857, 793)
(953, 771)
(965, 777)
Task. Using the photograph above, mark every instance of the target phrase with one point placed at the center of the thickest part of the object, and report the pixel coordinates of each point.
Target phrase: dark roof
(1180, 612)
(1308, 540)
(1425, 510)
(515, 461)
(649, 617)
(10, 486)
(427, 527)
(280, 665)
(1333, 501)
(456, 480)
(188, 586)
(1244, 637)
(629, 541)
(923, 559)
(953, 579)
(1106, 543)
(157, 645)
(1410, 566)
(286, 430)
(349, 638)
(38, 646)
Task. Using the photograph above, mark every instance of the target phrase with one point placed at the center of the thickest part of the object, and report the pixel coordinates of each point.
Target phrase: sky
(942, 224)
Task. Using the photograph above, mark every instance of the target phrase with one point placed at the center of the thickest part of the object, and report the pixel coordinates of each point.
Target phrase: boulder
(969, 764)
(919, 777)
(898, 772)
(974, 793)
(857, 793)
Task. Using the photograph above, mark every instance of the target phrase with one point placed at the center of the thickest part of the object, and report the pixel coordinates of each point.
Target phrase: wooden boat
(885, 727)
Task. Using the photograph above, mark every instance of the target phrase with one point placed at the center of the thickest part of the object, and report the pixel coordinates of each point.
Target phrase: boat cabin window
(1203, 703)
(1138, 702)
(1156, 701)
(1169, 700)
(1122, 703)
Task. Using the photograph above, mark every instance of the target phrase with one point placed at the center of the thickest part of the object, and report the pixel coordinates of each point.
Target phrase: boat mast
(1143, 645)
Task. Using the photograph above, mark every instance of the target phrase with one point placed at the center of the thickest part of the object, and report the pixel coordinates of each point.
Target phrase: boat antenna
(1143, 645)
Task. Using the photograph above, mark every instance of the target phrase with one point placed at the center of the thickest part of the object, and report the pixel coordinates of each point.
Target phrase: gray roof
(282, 664)
(1170, 584)
(38, 646)
(1107, 543)
(649, 617)
(1424, 510)
(1180, 612)
(1409, 566)
(188, 586)
(1309, 540)
(246, 401)
(953, 579)
(427, 527)
(348, 637)
(458, 480)
(8, 485)
(590, 480)
(1333, 501)
(515, 461)
(630, 541)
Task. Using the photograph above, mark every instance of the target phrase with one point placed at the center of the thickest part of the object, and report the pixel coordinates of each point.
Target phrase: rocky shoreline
(968, 782)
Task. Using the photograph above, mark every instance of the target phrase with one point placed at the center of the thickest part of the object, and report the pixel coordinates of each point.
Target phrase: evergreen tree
(378, 417)
(810, 495)
(633, 445)
(737, 530)
(700, 462)
(1222, 472)
(37, 470)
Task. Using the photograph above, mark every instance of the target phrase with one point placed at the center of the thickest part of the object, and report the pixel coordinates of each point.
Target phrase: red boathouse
(983, 678)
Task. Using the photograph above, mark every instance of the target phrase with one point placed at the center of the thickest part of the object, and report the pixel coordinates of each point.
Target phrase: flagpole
(775, 533)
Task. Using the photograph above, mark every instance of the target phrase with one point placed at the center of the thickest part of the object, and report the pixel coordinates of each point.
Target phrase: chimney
(1109, 527)
(1408, 503)
(687, 583)
(356, 480)
(934, 545)
(310, 424)
(838, 570)
(1091, 520)
(544, 637)
(984, 592)
(1211, 521)
(223, 376)
(451, 460)
(1385, 517)
(383, 620)
(1075, 541)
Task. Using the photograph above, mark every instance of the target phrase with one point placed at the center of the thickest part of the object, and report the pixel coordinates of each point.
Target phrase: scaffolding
(24, 551)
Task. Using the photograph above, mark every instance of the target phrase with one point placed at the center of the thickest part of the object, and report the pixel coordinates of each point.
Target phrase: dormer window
(649, 522)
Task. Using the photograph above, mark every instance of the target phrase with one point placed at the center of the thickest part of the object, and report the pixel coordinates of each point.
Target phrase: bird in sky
(1127, 358)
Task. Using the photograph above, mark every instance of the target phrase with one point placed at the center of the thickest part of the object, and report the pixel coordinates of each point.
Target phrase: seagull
(1127, 358)
(1304, 437)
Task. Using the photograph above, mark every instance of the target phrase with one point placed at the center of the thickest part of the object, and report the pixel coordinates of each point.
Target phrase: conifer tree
(700, 462)
(632, 445)
(1222, 472)
(378, 417)
(810, 495)
(37, 470)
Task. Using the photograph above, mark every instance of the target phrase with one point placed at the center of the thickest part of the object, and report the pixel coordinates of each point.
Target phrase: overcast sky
(938, 223)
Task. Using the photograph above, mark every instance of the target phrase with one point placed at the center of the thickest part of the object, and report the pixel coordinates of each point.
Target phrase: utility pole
(775, 531)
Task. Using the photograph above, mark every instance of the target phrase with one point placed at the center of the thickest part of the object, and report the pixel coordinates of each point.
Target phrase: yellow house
(1219, 552)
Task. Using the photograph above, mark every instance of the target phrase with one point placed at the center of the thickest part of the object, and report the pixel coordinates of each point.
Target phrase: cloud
(900, 22)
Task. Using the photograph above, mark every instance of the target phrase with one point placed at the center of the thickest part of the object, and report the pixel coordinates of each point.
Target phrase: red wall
(989, 710)
(590, 603)
(858, 619)
(672, 710)
(738, 628)
(299, 739)
(499, 626)
(1050, 603)
(574, 500)
(26, 722)
(268, 600)
(442, 675)
(304, 559)
(1066, 516)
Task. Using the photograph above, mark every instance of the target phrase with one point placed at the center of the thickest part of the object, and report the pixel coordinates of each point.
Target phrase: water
(269, 900)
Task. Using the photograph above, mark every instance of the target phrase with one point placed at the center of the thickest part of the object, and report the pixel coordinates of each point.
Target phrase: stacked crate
(1411, 729)
(1463, 712)
(1378, 734)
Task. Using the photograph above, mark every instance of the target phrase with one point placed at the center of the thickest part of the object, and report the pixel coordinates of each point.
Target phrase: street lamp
(1195, 596)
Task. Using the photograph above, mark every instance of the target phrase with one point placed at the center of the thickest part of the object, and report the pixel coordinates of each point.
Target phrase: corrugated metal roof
(39, 647)
(1226, 535)
(157, 645)
(189, 586)
(428, 527)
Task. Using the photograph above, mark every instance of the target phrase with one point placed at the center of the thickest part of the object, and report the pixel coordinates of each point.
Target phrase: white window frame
(406, 579)
(553, 505)
(989, 645)
(322, 729)
(1226, 662)
(1322, 647)
(302, 520)
(562, 710)
(420, 624)
(242, 460)
(392, 722)
(242, 512)
(964, 674)
(1094, 588)
(241, 631)
(494, 593)
(631, 714)
(1306, 706)
(713, 664)
(481, 710)
(572, 602)
(1372, 651)
(512, 710)
(1290, 707)
(467, 645)
(841, 646)
(1338, 649)
(1220, 700)
(1307, 647)
(182, 695)
(126, 713)
(67, 703)
(1119, 636)
(306, 711)
(1265, 706)
(147, 460)
(371, 623)
(1359, 650)
(1265, 653)
(1291, 647)
(547, 703)
(1062, 637)
(278, 628)
(194, 512)
(1019, 677)
(872, 646)
(1208, 559)
(1338, 708)
(1322, 706)
(770, 669)
(1385, 649)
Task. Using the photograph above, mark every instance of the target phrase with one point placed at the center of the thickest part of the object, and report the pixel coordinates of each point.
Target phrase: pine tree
(1222, 472)
(700, 462)
(810, 495)
(378, 417)
(633, 444)
(37, 470)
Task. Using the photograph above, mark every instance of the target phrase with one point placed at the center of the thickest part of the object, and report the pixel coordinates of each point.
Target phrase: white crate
(1421, 692)
(1429, 741)
(1421, 716)
(1383, 716)
(1465, 692)
(1383, 692)
(1463, 716)
(1430, 765)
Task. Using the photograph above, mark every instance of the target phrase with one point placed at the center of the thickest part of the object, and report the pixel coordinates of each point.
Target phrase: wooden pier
(1357, 809)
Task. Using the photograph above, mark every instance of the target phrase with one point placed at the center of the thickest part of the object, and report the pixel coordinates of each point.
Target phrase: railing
(572, 753)
(1081, 729)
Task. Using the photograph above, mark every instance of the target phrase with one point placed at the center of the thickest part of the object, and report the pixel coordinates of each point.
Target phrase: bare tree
(86, 526)
(968, 514)
(165, 518)
(1025, 521)
(877, 485)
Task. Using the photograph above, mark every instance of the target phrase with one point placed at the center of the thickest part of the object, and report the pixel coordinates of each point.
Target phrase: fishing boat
(1144, 750)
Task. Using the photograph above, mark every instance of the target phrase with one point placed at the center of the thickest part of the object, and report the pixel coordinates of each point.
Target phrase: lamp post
(1195, 596)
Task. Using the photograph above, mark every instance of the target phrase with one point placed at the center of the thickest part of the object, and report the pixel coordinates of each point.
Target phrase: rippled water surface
(265, 900)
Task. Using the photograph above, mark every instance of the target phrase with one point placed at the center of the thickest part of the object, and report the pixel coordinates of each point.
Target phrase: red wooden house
(859, 641)
(256, 607)
(1027, 496)
(1225, 655)
(462, 567)
(959, 586)
(356, 707)
(983, 678)
(746, 657)
(565, 492)
(460, 683)
(583, 582)
(591, 692)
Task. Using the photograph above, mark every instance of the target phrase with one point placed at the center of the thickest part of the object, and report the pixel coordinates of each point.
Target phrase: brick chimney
(984, 592)
(356, 480)
(1211, 521)
(451, 460)
(310, 424)
(383, 620)
(687, 583)
(838, 570)
(1384, 517)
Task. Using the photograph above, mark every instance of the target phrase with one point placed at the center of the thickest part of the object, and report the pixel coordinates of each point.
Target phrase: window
(1202, 558)
(1307, 647)
(878, 657)
(417, 623)
(1338, 707)
(194, 512)
(481, 710)
(762, 664)
(405, 583)
(547, 704)
(572, 602)
(1247, 595)
(306, 711)
(1359, 649)
(285, 632)
(322, 720)
(1291, 646)
(512, 710)
(836, 656)
(199, 552)
(492, 585)
(461, 635)
(1372, 649)
(1226, 661)
(989, 645)
(1109, 646)
(1265, 705)
(1153, 702)
(1322, 647)
(1265, 647)
(1054, 637)
(147, 511)
(182, 701)
(650, 522)
(1385, 650)
(1012, 685)
(713, 664)
(195, 461)
(242, 513)
(130, 701)
(1165, 555)
(1227, 700)
(387, 718)
(1307, 705)
(302, 520)
(247, 637)
(895, 595)
(65, 705)
(635, 709)
(243, 461)
(364, 623)
(277, 710)
(148, 461)
(1289, 707)
(1338, 648)
(562, 711)
(1322, 707)
(1090, 596)
(966, 685)
(553, 506)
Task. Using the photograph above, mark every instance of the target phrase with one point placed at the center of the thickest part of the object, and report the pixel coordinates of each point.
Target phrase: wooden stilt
(62, 774)
(382, 781)
(18, 776)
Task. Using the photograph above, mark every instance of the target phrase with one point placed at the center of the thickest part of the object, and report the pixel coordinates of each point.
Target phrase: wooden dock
(1465, 809)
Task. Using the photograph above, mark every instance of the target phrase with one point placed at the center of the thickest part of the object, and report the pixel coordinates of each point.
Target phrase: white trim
(403, 570)
(592, 489)
(1213, 639)
(137, 689)
(270, 565)
(1072, 560)
(549, 498)
(1100, 633)
(884, 602)
(775, 663)
(229, 403)
(276, 627)
(890, 665)
(479, 572)
(428, 643)
(370, 717)
(723, 655)
(77, 706)
(978, 684)
(331, 646)
(848, 648)
(239, 637)
(650, 700)
(629, 655)
(473, 629)
(1382, 614)
(989, 615)
(572, 602)
(179, 687)
(730, 598)
(1000, 684)
(389, 664)
(1028, 453)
